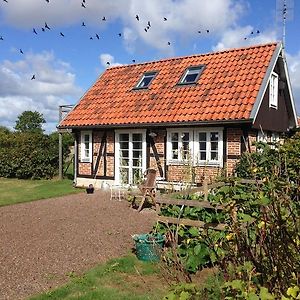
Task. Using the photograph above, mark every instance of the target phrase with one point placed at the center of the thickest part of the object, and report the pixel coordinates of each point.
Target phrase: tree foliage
(30, 121)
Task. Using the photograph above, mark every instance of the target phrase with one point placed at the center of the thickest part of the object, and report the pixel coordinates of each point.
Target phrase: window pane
(124, 175)
(190, 78)
(214, 146)
(147, 78)
(174, 136)
(124, 153)
(202, 146)
(202, 136)
(137, 137)
(124, 162)
(174, 150)
(137, 145)
(137, 175)
(124, 137)
(202, 155)
(214, 155)
(86, 138)
(191, 75)
(214, 136)
(137, 162)
(124, 145)
(185, 144)
(137, 154)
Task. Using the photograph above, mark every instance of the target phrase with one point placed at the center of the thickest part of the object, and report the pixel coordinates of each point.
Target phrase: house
(200, 112)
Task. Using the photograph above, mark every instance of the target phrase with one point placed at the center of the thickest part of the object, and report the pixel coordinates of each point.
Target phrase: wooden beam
(187, 222)
(193, 203)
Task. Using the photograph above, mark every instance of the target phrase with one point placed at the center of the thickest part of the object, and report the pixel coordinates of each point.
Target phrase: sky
(52, 51)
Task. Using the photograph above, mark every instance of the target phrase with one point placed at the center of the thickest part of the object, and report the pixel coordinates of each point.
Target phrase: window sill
(85, 160)
(198, 164)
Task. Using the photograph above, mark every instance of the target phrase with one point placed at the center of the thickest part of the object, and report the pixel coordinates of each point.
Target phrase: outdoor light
(152, 134)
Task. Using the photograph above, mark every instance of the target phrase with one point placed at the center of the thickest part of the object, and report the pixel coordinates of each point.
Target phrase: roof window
(146, 80)
(191, 75)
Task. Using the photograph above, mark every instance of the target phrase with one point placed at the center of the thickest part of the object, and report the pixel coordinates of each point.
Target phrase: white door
(130, 156)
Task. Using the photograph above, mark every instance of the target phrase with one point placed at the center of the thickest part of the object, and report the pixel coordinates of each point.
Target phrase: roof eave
(163, 124)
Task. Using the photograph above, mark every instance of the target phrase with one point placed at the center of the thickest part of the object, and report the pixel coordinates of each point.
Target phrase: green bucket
(148, 246)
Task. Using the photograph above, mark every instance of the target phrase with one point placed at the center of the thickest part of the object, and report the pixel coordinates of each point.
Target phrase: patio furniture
(148, 187)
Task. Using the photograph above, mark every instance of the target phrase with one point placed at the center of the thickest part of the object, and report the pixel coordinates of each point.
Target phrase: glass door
(130, 157)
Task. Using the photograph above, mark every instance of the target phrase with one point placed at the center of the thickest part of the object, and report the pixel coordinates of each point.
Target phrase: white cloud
(54, 85)
(294, 71)
(184, 18)
(242, 36)
(106, 58)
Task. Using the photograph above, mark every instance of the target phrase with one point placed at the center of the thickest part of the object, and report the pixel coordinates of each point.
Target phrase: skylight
(146, 80)
(191, 75)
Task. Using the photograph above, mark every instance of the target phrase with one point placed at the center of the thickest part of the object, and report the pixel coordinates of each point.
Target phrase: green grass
(14, 191)
(124, 278)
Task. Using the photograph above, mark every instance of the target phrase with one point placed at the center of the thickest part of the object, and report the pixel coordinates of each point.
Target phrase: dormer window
(146, 80)
(191, 75)
(273, 95)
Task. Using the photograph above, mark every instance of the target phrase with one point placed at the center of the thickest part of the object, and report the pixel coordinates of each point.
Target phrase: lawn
(14, 191)
(123, 278)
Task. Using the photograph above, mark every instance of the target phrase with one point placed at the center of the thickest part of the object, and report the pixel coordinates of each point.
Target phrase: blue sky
(66, 66)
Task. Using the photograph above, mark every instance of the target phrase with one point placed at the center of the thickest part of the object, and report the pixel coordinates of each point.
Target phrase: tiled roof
(226, 90)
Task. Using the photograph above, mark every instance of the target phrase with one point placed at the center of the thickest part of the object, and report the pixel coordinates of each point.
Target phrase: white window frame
(192, 70)
(208, 161)
(83, 157)
(273, 91)
(117, 150)
(145, 75)
(180, 132)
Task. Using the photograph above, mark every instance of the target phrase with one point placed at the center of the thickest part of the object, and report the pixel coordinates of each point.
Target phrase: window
(209, 146)
(179, 145)
(191, 75)
(130, 156)
(262, 137)
(86, 146)
(273, 95)
(198, 146)
(146, 80)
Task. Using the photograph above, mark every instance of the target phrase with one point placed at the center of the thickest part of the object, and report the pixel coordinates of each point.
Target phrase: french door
(130, 156)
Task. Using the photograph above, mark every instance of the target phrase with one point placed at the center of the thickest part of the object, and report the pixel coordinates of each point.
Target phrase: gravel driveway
(41, 242)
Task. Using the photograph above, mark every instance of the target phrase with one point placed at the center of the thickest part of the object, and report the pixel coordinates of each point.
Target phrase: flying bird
(252, 32)
(97, 36)
(83, 24)
(165, 19)
(245, 38)
(207, 30)
(120, 34)
(1, 38)
(61, 34)
(91, 38)
(5, 1)
(169, 43)
(257, 31)
(46, 26)
(34, 31)
(199, 31)
(103, 19)
(43, 29)
(146, 29)
(33, 77)
(137, 17)
(21, 51)
(47, 1)
(82, 5)
(108, 63)
(133, 60)
(149, 24)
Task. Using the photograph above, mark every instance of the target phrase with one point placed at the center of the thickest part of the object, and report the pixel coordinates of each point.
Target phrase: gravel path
(41, 242)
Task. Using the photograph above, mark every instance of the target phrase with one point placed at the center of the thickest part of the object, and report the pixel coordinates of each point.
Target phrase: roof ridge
(195, 55)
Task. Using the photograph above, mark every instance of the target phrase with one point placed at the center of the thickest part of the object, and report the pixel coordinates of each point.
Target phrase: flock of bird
(97, 36)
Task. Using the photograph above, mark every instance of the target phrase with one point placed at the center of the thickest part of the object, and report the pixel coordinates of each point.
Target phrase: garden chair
(148, 187)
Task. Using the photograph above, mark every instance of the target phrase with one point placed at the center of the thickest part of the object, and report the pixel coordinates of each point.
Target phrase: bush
(28, 156)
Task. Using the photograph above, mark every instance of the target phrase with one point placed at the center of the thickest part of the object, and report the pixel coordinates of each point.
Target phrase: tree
(30, 121)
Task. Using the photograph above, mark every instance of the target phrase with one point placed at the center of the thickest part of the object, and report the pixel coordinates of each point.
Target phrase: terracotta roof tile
(226, 90)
